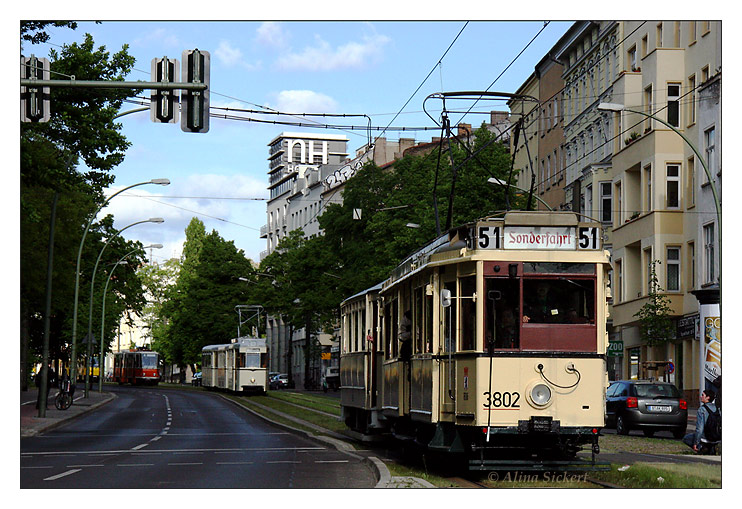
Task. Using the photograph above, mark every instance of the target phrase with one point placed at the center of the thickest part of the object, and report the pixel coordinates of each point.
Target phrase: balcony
(264, 231)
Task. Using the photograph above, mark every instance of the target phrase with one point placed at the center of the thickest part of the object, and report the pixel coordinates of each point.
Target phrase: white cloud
(323, 57)
(304, 101)
(272, 34)
(196, 196)
(160, 36)
(229, 56)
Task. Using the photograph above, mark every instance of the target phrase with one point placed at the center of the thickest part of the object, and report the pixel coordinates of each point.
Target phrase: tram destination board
(566, 238)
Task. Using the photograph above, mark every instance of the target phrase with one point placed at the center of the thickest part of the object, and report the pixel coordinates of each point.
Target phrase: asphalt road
(159, 438)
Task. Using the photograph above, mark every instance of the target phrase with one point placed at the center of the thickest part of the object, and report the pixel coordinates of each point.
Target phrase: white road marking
(63, 474)
(234, 463)
(183, 464)
(84, 466)
(331, 461)
(139, 447)
(220, 451)
(283, 462)
(135, 465)
(32, 468)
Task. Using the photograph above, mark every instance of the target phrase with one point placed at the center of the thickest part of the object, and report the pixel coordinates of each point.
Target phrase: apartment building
(642, 179)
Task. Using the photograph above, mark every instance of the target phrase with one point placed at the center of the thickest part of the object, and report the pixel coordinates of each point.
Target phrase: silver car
(646, 405)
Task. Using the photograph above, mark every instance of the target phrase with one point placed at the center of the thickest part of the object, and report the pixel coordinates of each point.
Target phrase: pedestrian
(717, 387)
(693, 440)
(51, 377)
(405, 336)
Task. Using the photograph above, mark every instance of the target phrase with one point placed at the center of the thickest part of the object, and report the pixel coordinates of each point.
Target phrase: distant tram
(241, 365)
(137, 367)
(489, 343)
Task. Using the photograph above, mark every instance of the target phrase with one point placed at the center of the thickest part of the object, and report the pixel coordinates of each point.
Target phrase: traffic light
(163, 106)
(195, 103)
(35, 101)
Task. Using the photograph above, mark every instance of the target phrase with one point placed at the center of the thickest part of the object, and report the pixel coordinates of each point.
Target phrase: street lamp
(619, 108)
(103, 310)
(493, 180)
(92, 285)
(73, 355)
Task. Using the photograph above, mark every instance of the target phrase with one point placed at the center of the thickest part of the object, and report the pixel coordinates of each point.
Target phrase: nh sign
(304, 157)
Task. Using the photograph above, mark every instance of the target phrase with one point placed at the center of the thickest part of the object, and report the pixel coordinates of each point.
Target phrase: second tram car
(137, 367)
(489, 341)
(241, 365)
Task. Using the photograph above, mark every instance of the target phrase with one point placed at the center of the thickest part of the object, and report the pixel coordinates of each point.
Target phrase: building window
(709, 137)
(692, 262)
(708, 253)
(632, 58)
(647, 253)
(589, 200)
(659, 35)
(618, 291)
(673, 104)
(619, 212)
(673, 186)
(673, 269)
(691, 32)
(677, 34)
(691, 191)
(644, 46)
(648, 188)
(648, 107)
(606, 202)
(705, 74)
(691, 99)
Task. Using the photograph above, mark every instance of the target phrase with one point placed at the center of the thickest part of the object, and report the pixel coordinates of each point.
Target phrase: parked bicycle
(64, 397)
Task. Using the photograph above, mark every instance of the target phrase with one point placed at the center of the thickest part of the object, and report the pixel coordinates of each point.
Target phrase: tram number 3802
(501, 399)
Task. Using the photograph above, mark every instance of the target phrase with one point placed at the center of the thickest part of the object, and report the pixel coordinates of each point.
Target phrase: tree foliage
(655, 320)
(200, 306)
(81, 130)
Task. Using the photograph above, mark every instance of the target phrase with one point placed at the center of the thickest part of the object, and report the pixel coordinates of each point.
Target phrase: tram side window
(251, 360)
(563, 300)
(417, 320)
(502, 312)
(428, 328)
(388, 336)
(468, 313)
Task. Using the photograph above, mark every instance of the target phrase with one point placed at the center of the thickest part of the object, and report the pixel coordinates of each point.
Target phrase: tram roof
(372, 289)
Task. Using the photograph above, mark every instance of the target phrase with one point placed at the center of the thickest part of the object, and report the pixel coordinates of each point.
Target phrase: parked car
(279, 382)
(196, 380)
(646, 405)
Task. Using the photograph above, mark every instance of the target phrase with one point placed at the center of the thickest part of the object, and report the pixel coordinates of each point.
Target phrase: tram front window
(149, 361)
(559, 300)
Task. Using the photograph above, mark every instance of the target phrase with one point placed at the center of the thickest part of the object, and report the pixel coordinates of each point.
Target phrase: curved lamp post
(493, 180)
(619, 108)
(103, 310)
(73, 355)
(92, 285)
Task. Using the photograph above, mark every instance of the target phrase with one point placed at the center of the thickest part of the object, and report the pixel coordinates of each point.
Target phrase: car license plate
(659, 408)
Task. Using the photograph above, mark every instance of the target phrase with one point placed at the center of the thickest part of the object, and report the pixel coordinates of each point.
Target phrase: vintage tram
(137, 367)
(490, 342)
(241, 365)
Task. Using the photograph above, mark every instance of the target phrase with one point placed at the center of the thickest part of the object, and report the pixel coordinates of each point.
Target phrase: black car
(646, 405)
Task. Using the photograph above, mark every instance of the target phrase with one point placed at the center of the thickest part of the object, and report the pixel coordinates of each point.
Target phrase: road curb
(26, 433)
(383, 477)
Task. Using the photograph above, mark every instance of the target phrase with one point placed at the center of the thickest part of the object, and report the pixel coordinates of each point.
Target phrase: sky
(371, 68)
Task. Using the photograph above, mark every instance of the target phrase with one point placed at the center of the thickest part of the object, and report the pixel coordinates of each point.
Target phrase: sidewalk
(32, 425)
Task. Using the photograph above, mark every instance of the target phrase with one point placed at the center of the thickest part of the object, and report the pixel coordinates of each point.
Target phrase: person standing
(693, 440)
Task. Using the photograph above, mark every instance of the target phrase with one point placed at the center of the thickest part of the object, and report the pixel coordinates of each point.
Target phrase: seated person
(541, 307)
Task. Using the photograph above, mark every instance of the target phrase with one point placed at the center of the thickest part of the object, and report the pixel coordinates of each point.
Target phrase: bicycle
(64, 397)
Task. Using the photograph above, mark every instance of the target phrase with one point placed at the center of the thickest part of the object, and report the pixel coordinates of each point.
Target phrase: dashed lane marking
(63, 474)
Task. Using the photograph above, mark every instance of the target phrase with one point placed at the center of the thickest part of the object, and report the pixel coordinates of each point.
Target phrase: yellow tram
(490, 341)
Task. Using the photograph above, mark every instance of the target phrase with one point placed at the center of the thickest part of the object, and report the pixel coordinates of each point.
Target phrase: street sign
(615, 348)
(670, 368)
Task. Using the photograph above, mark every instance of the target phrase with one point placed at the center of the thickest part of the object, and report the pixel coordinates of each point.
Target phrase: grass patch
(663, 475)
(398, 470)
(323, 404)
(616, 443)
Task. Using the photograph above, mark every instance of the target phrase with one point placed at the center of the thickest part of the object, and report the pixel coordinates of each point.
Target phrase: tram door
(448, 363)
(371, 341)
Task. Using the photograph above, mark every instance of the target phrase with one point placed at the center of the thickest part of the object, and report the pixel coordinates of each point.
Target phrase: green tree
(200, 306)
(81, 130)
(655, 316)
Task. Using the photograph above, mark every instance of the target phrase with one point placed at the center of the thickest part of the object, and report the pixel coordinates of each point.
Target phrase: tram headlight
(540, 394)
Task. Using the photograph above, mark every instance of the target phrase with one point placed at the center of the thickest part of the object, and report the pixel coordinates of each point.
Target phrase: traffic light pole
(138, 85)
